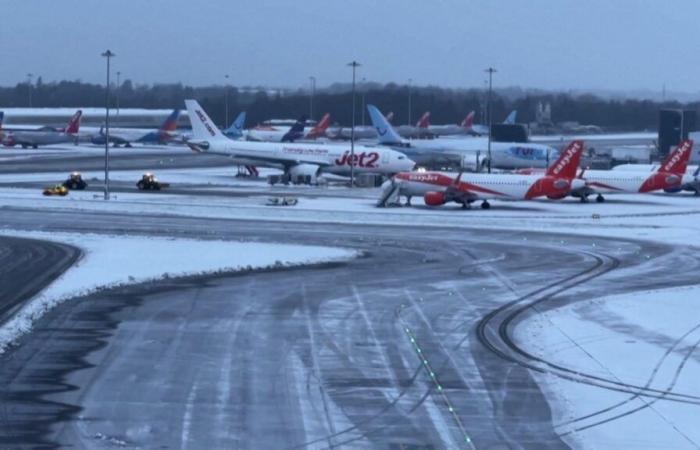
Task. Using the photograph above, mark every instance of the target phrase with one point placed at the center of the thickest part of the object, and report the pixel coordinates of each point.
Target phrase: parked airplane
(462, 128)
(319, 130)
(438, 188)
(420, 129)
(128, 136)
(45, 135)
(468, 153)
(268, 133)
(297, 160)
(671, 176)
(2, 133)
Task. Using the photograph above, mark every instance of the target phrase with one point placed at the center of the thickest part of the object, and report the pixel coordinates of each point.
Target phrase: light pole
(109, 55)
(364, 91)
(226, 95)
(354, 66)
(490, 71)
(29, 87)
(312, 85)
(119, 89)
(410, 80)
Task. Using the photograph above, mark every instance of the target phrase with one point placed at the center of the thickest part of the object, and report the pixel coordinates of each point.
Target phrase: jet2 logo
(205, 122)
(366, 160)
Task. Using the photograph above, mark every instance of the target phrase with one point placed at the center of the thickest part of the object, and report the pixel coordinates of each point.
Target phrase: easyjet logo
(204, 120)
(677, 155)
(566, 158)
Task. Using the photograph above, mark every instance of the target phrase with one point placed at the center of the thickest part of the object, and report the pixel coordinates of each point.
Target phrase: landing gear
(408, 200)
(584, 199)
(600, 198)
(485, 204)
(466, 205)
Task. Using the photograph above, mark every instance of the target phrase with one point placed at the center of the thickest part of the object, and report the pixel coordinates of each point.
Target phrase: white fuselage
(619, 181)
(482, 186)
(331, 158)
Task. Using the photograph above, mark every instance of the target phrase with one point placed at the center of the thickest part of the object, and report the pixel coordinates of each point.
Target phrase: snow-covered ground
(115, 260)
(645, 339)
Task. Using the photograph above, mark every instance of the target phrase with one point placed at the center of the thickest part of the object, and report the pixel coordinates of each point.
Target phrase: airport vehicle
(295, 159)
(467, 153)
(58, 189)
(149, 182)
(235, 131)
(439, 188)
(45, 135)
(671, 176)
(126, 136)
(75, 182)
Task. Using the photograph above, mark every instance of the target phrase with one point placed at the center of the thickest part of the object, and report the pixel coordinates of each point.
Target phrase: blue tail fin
(236, 128)
(385, 132)
(296, 131)
(510, 120)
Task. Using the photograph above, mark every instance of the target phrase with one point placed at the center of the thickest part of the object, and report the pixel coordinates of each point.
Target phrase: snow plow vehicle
(149, 182)
(75, 181)
(58, 189)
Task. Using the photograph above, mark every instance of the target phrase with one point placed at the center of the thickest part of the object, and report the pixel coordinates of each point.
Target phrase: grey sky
(562, 44)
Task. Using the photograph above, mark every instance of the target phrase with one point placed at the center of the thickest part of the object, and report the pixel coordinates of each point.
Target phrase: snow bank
(110, 261)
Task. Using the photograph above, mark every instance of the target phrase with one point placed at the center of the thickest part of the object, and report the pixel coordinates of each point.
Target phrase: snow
(110, 261)
(624, 338)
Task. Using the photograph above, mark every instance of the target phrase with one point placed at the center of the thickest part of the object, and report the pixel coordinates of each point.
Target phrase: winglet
(677, 161)
(385, 132)
(202, 126)
(567, 164)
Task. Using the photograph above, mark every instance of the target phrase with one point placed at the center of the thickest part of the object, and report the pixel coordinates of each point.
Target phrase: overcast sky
(558, 44)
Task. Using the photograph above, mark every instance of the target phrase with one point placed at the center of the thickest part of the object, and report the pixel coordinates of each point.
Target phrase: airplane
(469, 153)
(128, 136)
(688, 185)
(319, 130)
(267, 133)
(420, 129)
(235, 131)
(45, 135)
(361, 131)
(439, 188)
(305, 161)
(671, 176)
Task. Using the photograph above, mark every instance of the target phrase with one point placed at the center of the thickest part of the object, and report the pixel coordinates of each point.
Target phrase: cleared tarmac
(381, 352)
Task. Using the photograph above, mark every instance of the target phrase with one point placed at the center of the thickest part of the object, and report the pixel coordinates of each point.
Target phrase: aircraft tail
(567, 164)
(236, 128)
(202, 126)
(296, 131)
(389, 117)
(510, 119)
(468, 121)
(677, 161)
(424, 121)
(74, 123)
(320, 129)
(385, 132)
(170, 123)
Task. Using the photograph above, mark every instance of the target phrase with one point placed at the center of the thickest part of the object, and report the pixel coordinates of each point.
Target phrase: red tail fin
(468, 121)
(567, 164)
(74, 124)
(389, 117)
(424, 121)
(320, 128)
(677, 161)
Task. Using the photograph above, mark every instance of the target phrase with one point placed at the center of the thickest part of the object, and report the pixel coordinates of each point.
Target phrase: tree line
(445, 105)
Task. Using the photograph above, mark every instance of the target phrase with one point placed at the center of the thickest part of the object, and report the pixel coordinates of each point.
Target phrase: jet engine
(433, 198)
(304, 173)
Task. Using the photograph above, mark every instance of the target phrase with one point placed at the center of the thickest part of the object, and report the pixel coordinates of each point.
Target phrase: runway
(384, 352)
